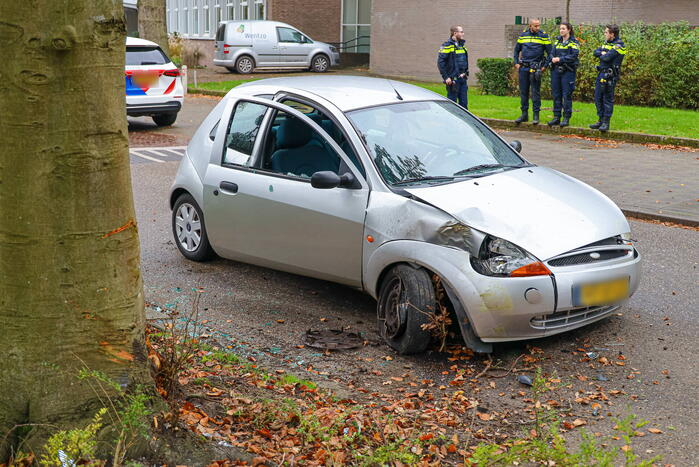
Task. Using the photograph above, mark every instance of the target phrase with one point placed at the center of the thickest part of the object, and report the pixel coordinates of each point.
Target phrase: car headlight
(498, 257)
(333, 49)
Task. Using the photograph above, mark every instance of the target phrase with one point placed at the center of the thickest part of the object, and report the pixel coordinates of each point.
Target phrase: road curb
(647, 216)
(613, 135)
(206, 92)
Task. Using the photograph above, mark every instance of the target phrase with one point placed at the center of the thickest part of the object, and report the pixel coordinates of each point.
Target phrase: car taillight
(225, 48)
(173, 73)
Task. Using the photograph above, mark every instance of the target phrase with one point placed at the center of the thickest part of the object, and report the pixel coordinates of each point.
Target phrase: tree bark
(567, 11)
(71, 294)
(152, 23)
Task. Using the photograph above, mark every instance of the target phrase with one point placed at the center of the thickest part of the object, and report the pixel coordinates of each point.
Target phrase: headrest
(293, 133)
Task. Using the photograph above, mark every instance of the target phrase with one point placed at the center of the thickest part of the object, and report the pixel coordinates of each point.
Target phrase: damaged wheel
(406, 298)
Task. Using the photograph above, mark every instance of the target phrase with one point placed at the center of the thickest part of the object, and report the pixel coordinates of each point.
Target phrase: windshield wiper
(476, 168)
(443, 178)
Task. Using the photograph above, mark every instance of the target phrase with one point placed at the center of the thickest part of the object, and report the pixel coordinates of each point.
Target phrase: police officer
(610, 55)
(564, 62)
(531, 55)
(452, 62)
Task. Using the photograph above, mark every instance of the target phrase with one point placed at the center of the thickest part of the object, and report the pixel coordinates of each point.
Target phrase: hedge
(661, 67)
(493, 75)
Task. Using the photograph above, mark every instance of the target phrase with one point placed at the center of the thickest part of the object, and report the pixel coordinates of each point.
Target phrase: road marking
(158, 154)
(133, 153)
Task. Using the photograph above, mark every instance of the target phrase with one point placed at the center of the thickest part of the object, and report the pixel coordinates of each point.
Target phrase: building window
(244, 12)
(207, 20)
(356, 25)
(217, 13)
(185, 20)
(195, 19)
(231, 11)
(260, 9)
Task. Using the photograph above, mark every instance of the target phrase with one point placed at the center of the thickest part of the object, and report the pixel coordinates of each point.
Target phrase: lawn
(652, 120)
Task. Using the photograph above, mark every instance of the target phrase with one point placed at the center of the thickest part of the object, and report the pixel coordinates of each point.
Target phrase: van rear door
(218, 43)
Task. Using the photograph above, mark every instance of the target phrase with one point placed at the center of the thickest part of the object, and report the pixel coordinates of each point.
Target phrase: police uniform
(563, 78)
(610, 55)
(452, 62)
(531, 53)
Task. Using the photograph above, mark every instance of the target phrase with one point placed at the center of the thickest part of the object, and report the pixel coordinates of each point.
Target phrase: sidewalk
(660, 184)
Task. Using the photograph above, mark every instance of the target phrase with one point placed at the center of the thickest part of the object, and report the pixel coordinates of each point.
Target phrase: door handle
(229, 186)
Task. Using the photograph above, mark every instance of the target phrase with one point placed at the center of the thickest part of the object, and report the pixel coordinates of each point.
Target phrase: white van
(245, 45)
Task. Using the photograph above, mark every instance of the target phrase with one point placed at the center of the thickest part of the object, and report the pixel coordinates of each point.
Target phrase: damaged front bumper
(501, 309)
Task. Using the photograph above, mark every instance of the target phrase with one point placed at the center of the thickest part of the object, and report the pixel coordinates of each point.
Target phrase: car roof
(135, 41)
(345, 92)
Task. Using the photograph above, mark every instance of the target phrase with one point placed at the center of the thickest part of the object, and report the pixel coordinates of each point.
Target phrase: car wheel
(165, 119)
(189, 230)
(405, 298)
(244, 65)
(320, 63)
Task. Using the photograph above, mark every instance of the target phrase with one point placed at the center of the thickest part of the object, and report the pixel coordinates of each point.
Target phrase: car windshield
(145, 56)
(430, 142)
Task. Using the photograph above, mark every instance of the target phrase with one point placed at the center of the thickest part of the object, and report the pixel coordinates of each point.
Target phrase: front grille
(569, 318)
(585, 258)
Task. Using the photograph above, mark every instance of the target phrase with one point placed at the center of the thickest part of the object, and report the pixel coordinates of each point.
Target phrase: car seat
(296, 155)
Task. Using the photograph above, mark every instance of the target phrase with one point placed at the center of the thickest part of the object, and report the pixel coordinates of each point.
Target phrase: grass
(649, 120)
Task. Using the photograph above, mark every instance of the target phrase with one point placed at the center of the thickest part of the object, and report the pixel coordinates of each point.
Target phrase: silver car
(399, 192)
(242, 46)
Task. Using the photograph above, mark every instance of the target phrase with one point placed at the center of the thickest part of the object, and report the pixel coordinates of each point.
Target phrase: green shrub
(493, 75)
(661, 67)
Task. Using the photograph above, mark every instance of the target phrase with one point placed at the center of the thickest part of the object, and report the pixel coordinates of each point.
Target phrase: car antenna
(400, 98)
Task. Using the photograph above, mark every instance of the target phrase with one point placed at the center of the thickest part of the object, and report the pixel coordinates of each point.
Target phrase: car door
(274, 217)
(294, 47)
(266, 46)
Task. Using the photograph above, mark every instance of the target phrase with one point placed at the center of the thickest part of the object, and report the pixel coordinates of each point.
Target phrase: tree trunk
(152, 23)
(567, 11)
(71, 294)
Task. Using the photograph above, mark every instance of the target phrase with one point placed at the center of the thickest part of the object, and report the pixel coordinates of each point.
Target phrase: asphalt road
(242, 305)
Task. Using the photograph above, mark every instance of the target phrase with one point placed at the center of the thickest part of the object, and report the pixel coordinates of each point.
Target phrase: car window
(221, 32)
(294, 148)
(430, 142)
(289, 35)
(327, 124)
(242, 132)
(145, 56)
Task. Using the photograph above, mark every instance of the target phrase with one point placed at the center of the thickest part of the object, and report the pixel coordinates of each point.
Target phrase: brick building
(407, 33)
(333, 21)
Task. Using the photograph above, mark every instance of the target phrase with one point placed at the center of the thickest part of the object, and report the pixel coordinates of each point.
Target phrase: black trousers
(562, 87)
(604, 98)
(526, 80)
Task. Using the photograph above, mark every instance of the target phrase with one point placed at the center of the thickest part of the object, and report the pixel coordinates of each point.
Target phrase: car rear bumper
(140, 110)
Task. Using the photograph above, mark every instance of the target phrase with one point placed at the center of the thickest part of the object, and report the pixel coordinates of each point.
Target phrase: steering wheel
(445, 152)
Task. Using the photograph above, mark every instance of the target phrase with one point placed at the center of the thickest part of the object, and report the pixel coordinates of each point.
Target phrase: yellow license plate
(145, 80)
(601, 293)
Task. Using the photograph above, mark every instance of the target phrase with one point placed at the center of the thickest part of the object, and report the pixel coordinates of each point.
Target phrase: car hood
(539, 209)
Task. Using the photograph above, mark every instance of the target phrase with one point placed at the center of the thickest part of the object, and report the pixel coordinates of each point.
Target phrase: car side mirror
(516, 145)
(327, 179)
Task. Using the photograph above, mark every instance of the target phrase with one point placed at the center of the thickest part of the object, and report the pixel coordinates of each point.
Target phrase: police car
(153, 83)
